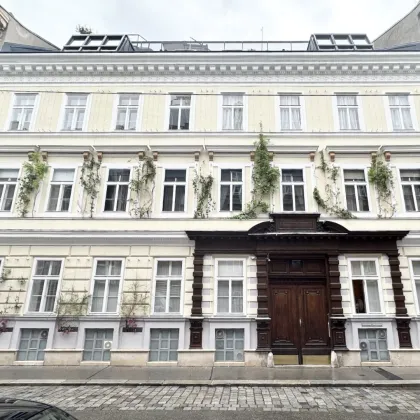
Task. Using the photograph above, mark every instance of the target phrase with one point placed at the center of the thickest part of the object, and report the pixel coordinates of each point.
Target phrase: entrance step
(293, 359)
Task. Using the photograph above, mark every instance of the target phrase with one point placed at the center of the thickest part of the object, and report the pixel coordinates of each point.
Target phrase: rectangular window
(348, 112)
(290, 113)
(233, 111)
(168, 287)
(410, 182)
(365, 287)
(74, 112)
(174, 186)
(356, 190)
(127, 112)
(60, 190)
(179, 112)
(97, 345)
(400, 109)
(230, 286)
(230, 345)
(45, 286)
(32, 344)
(164, 345)
(117, 190)
(8, 182)
(293, 190)
(23, 110)
(106, 286)
(373, 345)
(231, 190)
(415, 265)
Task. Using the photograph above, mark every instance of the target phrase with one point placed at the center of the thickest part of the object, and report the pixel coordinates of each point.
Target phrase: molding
(353, 149)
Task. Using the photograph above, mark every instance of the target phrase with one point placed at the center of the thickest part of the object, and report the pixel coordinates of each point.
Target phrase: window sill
(367, 364)
(93, 362)
(162, 364)
(290, 130)
(28, 362)
(227, 364)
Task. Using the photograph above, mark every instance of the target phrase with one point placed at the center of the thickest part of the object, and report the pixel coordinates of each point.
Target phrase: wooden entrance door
(299, 320)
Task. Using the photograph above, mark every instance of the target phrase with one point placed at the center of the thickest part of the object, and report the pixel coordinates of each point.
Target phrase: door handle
(300, 322)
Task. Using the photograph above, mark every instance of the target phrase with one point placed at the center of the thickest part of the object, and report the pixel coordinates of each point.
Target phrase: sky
(206, 20)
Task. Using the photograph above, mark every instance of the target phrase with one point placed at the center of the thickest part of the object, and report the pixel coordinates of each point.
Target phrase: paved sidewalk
(208, 376)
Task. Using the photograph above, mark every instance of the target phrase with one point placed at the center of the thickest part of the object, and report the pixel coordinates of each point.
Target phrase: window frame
(413, 282)
(220, 107)
(293, 167)
(412, 112)
(379, 283)
(174, 213)
(168, 112)
(9, 213)
(302, 112)
(116, 107)
(64, 107)
(127, 209)
(411, 183)
(50, 183)
(181, 301)
(365, 171)
(216, 289)
(43, 298)
(359, 112)
(33, 116)
(219, 192)
(106, 292)
(159, 349)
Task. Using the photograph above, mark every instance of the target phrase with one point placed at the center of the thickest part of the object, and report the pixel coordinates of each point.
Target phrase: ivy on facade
(70, 306)
(134, 303)
(202, 189)
(90, 180)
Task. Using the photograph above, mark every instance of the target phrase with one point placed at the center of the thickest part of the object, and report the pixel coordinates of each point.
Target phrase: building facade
(126, 180)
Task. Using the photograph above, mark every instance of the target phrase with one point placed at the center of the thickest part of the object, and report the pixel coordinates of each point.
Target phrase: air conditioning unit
(364, 345)
(119, 127)
(220, 334)
(107, 345)
(44, 334)
(239, 357)
(382, 334)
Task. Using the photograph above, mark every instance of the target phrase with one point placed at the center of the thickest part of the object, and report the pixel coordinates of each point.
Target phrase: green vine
(70, 306)
(34, 172)
(202, 189)
(142, 187)
(90, 181)
(331, 203)
(265, 178)
(380, 175)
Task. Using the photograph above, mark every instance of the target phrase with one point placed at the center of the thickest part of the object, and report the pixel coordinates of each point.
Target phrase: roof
(20, 409)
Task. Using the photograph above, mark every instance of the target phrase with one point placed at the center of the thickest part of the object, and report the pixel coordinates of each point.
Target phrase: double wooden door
(299, 317)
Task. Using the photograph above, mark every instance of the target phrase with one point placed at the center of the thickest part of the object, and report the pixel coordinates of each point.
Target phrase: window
(415, 266)
(348, 113)
(8, 182)
(230, 286)
(410, 182)
(106, 286)
(290, 113)
(233, 112)
(373, 345)
(32, 344)
(230, 345)
(60, 190)
(174, 187)
(128, 105)
(293, 190)
(356, 190)
(117, 190)
(163, 345)
(168, 286)
(97, 345)
(44, 286)
(179, 112)
(231, 190)
(23, 109)
(365, 287)
(399, 106)
(74, 112)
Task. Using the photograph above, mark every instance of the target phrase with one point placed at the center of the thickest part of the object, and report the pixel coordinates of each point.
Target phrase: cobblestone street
(235, 398)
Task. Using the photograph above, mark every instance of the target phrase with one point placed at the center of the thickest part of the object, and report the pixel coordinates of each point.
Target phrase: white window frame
(216, 288)
(168, 112)
(179, 113)
(294, 167)
(10, 212)
(231, 183)
(359, 112)
(63, 111)
(244, 112)
(117, 106)
(34, 112)
(53, 169)
(33, 271)
(127, 208)
(414, 279)
(302, 112)
(401, 183)
(356, 168)
(106, 293)
(412, 112)
(181, 303)
(174, 168)
(380, 291)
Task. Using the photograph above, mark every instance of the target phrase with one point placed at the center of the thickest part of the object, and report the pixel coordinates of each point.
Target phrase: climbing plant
(265, 178)
(142, 186)
(332, 202)
(134, 303)
(90, 181)
(380, 175)
(202, 189)
(70, 306)
(34, 172)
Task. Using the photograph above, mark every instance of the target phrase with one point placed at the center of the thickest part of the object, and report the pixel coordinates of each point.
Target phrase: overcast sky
(208, 20)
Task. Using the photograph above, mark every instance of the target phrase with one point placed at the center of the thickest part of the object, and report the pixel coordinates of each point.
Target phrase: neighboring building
(117, 269)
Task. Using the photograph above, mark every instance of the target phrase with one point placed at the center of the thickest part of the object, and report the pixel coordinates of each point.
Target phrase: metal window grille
(96, 348)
